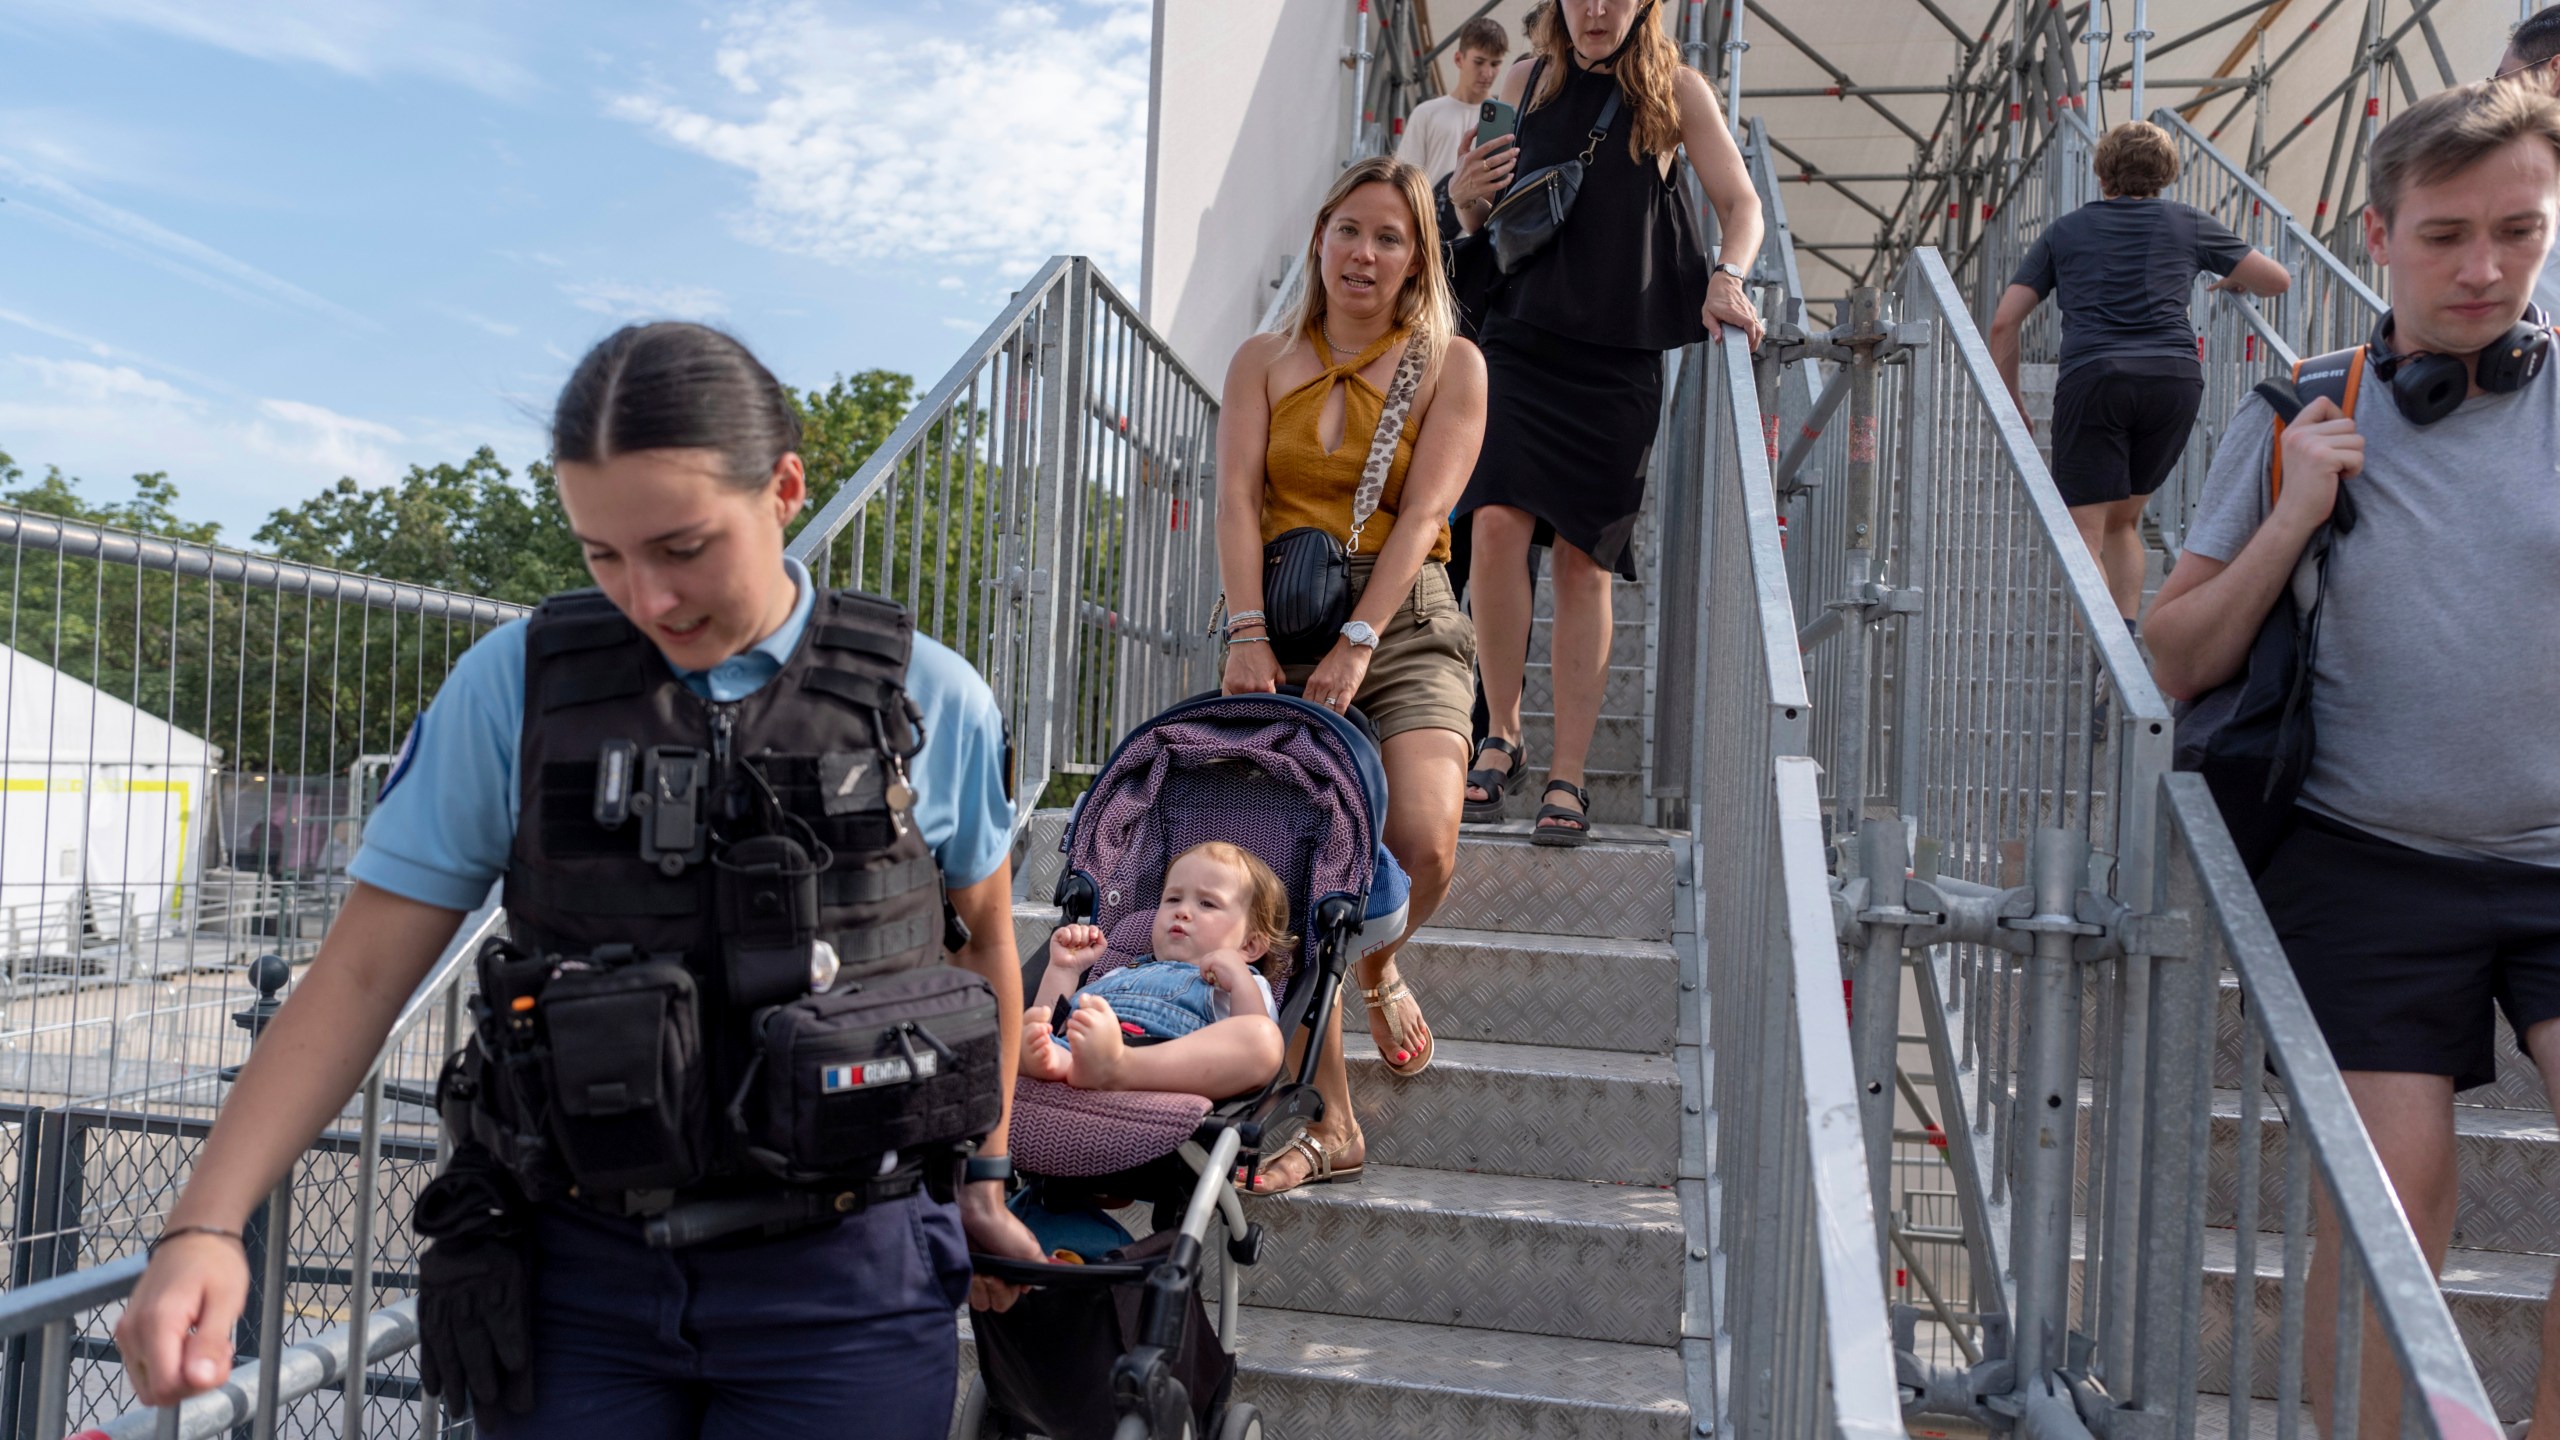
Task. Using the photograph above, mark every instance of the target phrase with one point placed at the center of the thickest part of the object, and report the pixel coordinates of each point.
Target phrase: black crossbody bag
(1306, 573)
(1525, 220)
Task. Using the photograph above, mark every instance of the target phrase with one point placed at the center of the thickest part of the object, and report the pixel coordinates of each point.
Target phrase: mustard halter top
(1303, 484)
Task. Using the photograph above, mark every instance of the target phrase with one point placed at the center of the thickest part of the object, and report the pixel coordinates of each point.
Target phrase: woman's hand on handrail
(1730, 304)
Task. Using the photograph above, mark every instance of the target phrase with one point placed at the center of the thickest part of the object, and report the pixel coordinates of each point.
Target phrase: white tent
(101, 805)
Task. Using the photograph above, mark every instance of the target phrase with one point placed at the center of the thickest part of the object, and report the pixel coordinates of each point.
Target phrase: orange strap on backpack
(2339, 375)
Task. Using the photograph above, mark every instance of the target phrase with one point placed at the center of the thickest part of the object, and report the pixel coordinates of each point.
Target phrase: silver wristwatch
(1361, 633)
(1727, 267)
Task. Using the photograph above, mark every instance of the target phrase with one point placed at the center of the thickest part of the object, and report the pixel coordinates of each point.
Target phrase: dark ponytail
(674, 385)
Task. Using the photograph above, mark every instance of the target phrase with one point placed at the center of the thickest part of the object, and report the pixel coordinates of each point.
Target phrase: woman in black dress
(1573, 343)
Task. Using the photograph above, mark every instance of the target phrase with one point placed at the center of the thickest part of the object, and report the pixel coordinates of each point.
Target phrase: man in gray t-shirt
(2419, 889)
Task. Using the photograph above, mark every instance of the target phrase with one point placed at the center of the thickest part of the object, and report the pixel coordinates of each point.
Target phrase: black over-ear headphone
(2427, 388)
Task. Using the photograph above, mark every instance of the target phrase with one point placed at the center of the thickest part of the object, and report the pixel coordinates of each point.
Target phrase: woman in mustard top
(1295, 426)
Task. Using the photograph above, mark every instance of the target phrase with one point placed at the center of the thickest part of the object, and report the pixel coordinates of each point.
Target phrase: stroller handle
(1039, 1272)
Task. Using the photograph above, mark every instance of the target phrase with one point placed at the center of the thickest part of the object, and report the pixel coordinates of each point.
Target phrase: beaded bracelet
(1248, 639)
(1242, 616)
(174, 1231)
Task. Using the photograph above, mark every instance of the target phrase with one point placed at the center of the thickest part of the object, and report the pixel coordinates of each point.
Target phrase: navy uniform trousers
(840, 1333)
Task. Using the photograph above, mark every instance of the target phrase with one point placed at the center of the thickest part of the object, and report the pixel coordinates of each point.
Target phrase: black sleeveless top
(1629, 268)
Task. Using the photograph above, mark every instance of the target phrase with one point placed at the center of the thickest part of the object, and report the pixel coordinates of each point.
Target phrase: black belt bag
(896, 1062)
(1528, 216)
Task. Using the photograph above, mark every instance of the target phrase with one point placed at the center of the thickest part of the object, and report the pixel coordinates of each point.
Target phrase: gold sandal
(1320, 1167)
(1377, 1001)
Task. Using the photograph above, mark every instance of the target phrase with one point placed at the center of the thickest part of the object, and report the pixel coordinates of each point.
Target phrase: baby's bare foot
(1042, 1057)
(1096, 1060)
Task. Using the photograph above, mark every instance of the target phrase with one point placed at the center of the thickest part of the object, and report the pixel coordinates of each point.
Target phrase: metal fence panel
(1048, 510)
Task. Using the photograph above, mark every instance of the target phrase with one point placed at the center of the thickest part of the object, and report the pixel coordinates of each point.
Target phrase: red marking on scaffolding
(1848, 994)
(1396, 126)
(1937, 1137)
(1769, 436)
(2199, 348)
(1986, 209)
(2016, 111)
(2248, 347)
(2253, 209)
(2321, 209)
(1782, 534)
(2314, 25)
(1368, 117)
(1952, 210)
(1177, 514)
(2372, 106)
(1862, 441)
(1901, 1278)
(1834, 93)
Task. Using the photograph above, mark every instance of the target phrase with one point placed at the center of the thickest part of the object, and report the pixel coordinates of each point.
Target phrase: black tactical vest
(665, 1018)
(830, 735)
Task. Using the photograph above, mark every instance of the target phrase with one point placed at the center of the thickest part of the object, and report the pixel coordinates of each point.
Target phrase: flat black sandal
(1578, 829)
(1499, 784)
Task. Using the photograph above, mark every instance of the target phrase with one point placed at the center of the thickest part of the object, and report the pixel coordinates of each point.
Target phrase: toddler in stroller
(1195, 1015)
(1121, 1347)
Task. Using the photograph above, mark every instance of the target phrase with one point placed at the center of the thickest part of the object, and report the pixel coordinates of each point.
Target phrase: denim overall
(1165, 999)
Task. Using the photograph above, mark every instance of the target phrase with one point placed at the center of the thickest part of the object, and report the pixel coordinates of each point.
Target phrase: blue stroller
(1119, 1348)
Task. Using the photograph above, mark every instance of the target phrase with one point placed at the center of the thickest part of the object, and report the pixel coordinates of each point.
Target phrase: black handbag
(2251, 738)
(1530, 213)
(1306, 573)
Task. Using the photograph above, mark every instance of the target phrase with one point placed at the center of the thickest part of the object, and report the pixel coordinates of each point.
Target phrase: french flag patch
(893, 1070)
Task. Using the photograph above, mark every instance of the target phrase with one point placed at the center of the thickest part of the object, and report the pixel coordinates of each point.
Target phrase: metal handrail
(2449, 1400)
(78, 540)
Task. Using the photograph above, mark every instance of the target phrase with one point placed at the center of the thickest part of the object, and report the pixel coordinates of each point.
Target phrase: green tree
(469, 528)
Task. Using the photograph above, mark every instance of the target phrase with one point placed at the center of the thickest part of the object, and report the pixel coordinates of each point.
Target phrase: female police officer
(676, 1291)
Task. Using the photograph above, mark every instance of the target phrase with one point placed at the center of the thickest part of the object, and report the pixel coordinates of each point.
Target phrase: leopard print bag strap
(1382, 447)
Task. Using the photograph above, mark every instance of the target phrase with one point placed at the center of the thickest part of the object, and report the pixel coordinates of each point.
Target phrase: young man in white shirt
(1438, 127)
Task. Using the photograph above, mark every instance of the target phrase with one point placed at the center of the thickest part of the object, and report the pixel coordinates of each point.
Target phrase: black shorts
(2119, 427)
(2402, 953)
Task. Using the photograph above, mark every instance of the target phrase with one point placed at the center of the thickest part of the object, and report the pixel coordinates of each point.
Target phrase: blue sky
(264, 243)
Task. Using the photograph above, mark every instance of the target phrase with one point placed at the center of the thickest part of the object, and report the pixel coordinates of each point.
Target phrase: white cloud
(315, 438)
(365, 38)
(623, 301)
(1018, 133)
(233, 459)
(478, 321)
(146, 240)
(80, 383)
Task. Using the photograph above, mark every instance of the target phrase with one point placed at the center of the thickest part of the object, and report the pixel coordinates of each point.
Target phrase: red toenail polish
(1403, 1055)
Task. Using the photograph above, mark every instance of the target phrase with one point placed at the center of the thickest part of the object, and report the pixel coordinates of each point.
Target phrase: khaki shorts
(1423, 676)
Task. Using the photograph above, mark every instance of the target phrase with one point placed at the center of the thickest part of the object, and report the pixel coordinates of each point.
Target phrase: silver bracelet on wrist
(1248, 639)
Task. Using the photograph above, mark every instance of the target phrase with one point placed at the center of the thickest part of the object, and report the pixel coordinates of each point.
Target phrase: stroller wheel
(970, 1421)
(1239, 1422)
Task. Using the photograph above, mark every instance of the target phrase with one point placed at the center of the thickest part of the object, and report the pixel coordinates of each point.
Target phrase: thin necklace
(1327, 332)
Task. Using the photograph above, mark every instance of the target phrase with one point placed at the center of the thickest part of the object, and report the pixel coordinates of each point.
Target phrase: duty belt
(673, 1224)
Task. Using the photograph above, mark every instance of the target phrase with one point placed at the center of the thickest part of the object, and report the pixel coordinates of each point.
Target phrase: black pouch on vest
(892, 1063)
(626, 1075)
(768, 899)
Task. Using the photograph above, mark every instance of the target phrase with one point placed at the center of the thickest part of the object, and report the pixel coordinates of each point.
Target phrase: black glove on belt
(475, 1286)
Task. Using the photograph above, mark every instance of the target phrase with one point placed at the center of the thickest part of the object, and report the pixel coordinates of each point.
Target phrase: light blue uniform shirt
(447, 818)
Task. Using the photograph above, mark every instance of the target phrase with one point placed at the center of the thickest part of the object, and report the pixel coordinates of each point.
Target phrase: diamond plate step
(1546, 1257)
(1623, 694)
(1614, 887)
(2496, 1300)
(1540, 989)
(2518, 1086)
(1333, 1377)
(2509, 1159)
(1531, 1110)
(1626, 638)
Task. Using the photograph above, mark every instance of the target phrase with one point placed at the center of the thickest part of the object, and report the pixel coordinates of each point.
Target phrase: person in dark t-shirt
(2129, 385)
